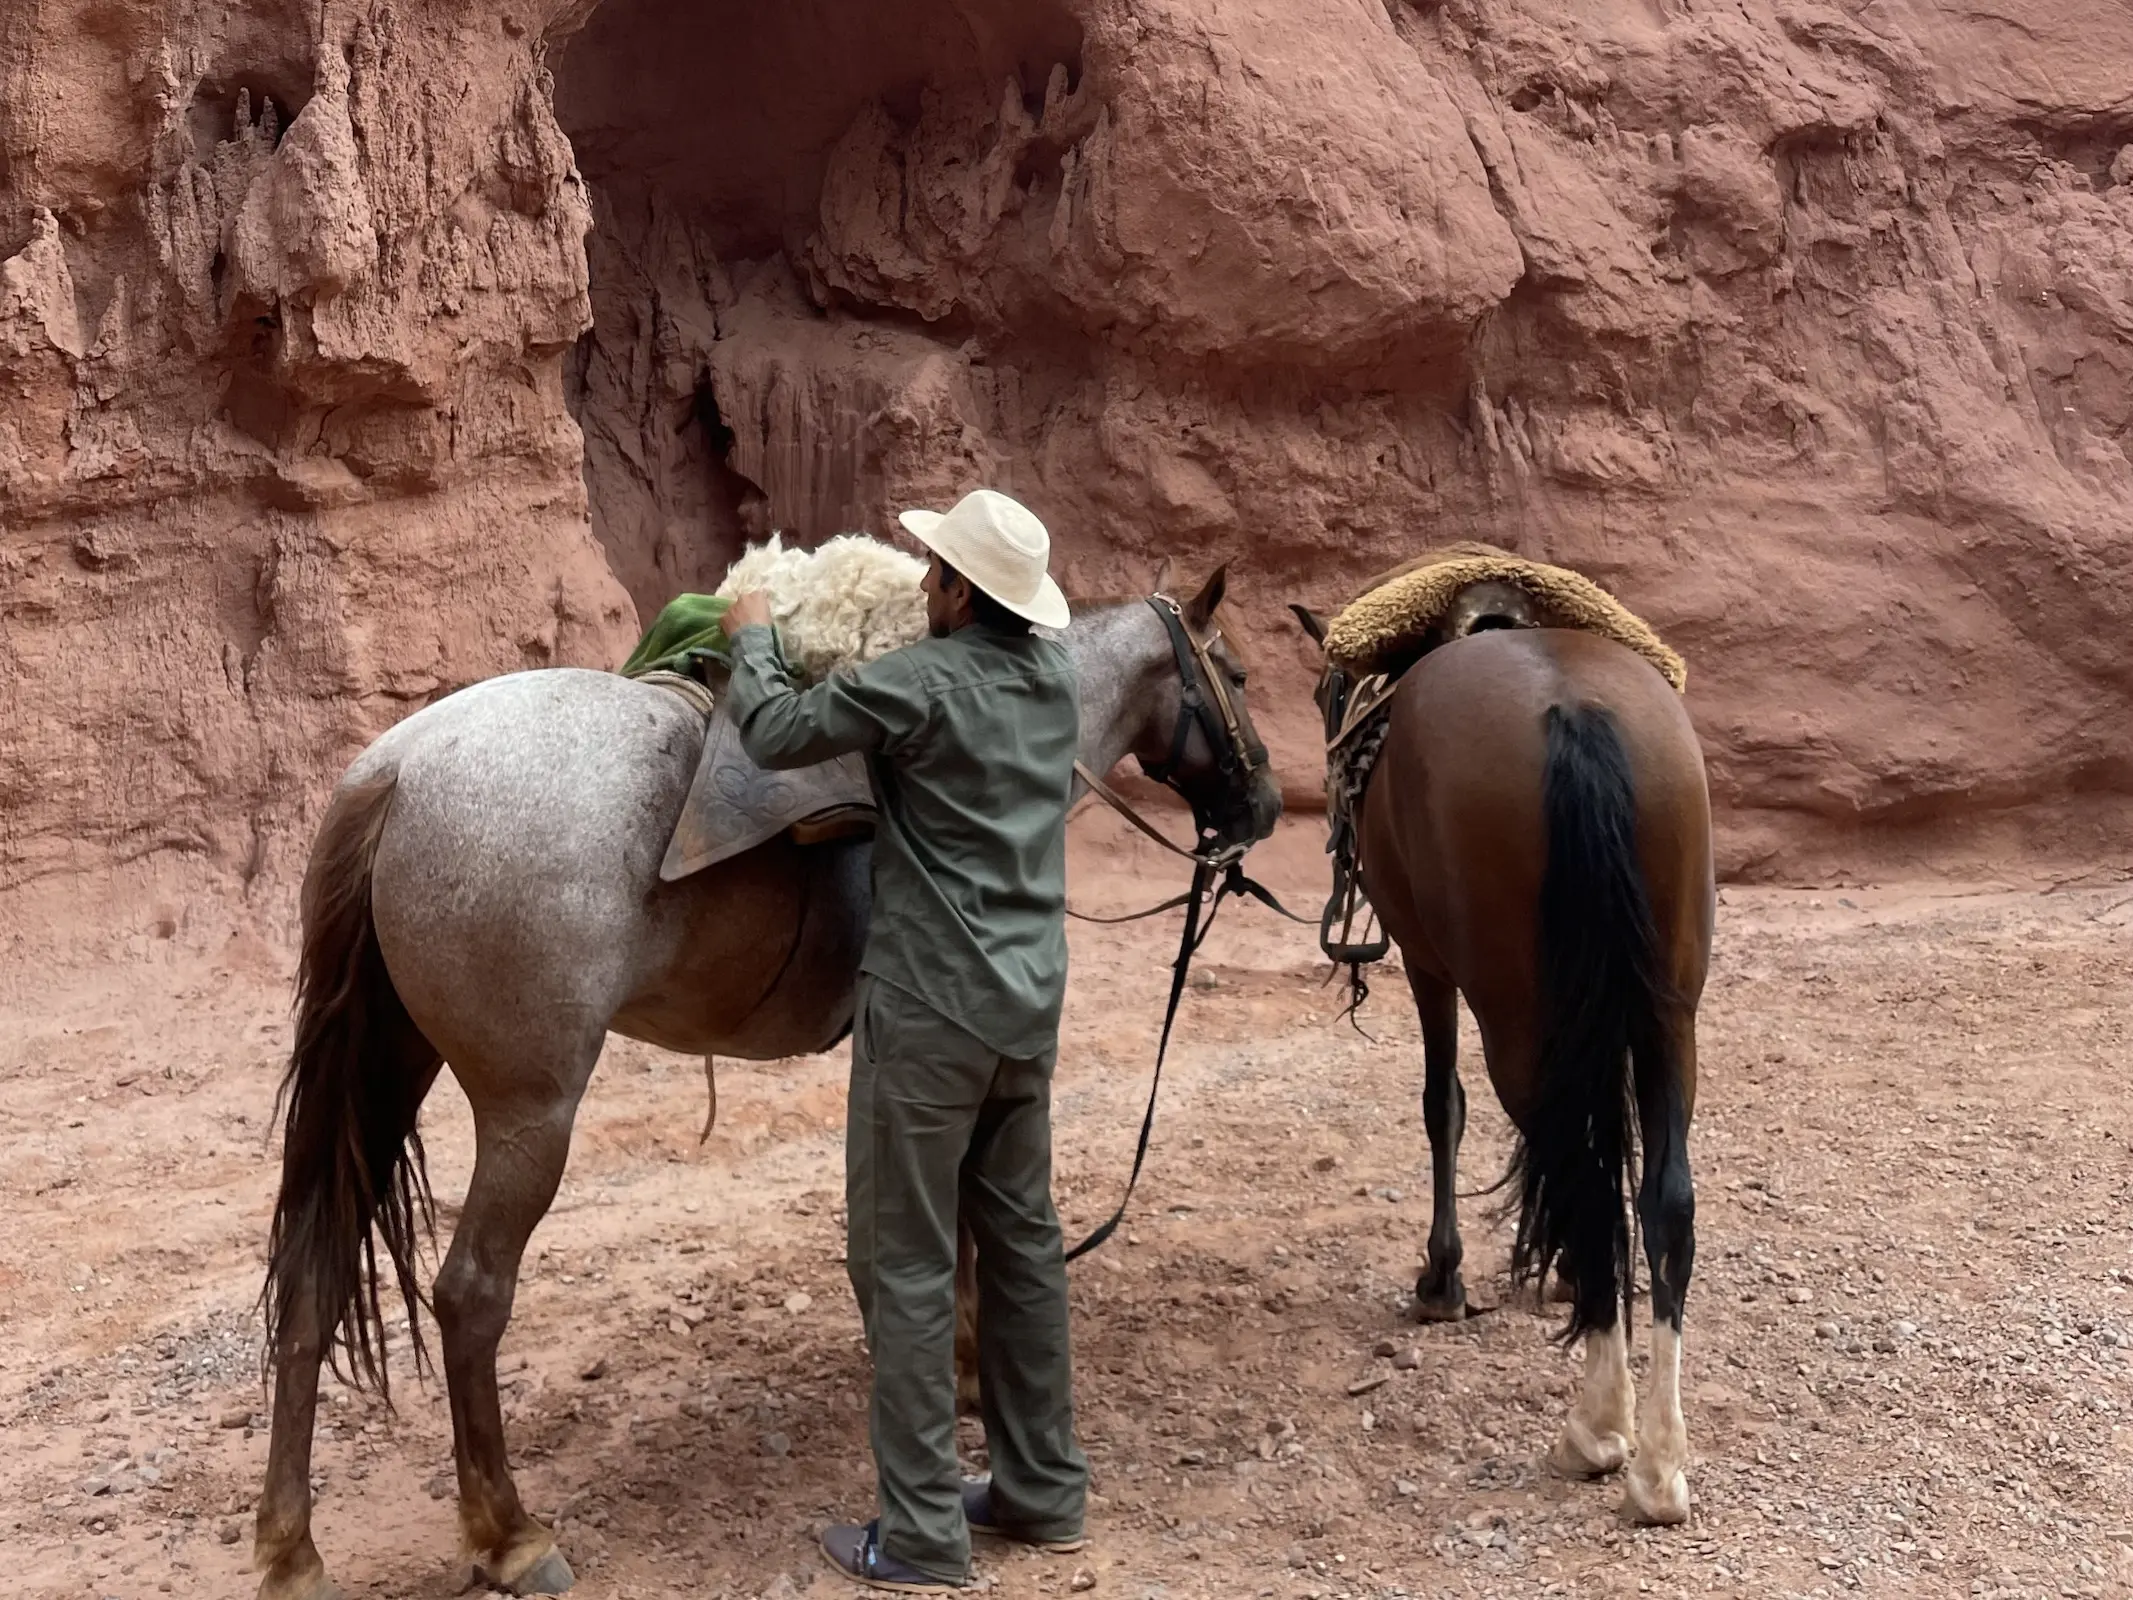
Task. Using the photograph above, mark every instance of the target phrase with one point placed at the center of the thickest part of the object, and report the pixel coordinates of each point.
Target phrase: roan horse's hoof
(549, 1575)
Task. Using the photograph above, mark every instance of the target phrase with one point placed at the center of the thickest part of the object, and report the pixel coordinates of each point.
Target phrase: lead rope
(1232, 883)
(1203, 869)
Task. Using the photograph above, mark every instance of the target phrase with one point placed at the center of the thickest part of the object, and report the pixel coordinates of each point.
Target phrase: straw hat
(999, 545)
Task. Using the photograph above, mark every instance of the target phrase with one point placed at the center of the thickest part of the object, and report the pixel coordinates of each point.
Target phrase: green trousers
(940, 1124)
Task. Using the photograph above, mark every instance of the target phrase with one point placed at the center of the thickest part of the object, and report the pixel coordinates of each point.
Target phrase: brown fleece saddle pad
(1396, 614)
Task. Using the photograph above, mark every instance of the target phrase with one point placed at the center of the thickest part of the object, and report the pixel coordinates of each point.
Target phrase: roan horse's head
(1197, 735)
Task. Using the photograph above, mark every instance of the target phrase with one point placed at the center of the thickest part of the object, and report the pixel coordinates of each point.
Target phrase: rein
(1238, 757)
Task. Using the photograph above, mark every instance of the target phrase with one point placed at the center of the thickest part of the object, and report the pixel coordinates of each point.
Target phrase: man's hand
(749, 609)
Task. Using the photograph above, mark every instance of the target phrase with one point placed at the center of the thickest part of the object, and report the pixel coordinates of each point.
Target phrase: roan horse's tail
(351, 1158)
(1601, 987)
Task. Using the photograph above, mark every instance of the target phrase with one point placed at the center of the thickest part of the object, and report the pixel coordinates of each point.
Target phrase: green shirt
(971, 742)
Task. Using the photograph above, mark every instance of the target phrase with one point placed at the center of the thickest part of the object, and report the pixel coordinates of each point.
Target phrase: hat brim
(1047, 608)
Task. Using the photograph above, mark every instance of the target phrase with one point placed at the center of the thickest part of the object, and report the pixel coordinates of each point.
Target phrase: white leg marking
(1600, 1429)
(1658, 1479)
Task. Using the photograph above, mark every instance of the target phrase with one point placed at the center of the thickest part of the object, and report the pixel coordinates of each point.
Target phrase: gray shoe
(856, 1552)
(978, 1512)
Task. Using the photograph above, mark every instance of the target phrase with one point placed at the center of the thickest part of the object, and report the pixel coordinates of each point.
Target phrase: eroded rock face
(1807, 327)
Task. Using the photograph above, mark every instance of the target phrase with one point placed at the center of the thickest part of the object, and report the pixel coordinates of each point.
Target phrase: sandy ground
(1910, 1356)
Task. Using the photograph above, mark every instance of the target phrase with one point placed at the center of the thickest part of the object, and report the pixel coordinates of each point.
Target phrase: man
(970, 736)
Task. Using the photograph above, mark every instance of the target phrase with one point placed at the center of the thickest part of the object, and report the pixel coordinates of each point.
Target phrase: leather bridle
(1205, 702)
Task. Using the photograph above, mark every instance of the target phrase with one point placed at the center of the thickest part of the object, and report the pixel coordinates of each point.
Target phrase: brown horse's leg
(1666, 1208)
(282, 1545)
(519, 1154)
(1601, 1429)
(967, 1399)
(1440, 1293)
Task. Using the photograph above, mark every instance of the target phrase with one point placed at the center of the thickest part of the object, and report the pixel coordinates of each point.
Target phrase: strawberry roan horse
(485, 892)
(1536, 835)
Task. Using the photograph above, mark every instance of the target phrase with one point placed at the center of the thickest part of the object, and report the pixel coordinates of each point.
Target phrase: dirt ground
(1909, 1366)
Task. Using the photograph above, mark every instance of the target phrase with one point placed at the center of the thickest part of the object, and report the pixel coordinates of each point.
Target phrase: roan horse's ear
(1165, 572)
(1200, 609)
(1313, 624)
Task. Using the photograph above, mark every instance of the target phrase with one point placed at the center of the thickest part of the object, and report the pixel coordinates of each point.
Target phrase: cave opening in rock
(710, 390)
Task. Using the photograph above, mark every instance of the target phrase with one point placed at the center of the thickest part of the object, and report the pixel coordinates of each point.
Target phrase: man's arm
(872, 708)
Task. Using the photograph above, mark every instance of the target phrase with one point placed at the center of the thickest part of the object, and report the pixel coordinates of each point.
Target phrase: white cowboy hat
(999, 545)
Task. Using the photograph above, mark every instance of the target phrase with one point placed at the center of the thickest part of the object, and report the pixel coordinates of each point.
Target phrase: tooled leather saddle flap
(735, 805)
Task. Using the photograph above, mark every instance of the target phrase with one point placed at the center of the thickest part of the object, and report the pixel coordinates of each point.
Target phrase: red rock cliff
(349, 352)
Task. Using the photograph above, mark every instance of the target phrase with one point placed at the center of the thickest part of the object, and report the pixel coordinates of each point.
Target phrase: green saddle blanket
(684, 634)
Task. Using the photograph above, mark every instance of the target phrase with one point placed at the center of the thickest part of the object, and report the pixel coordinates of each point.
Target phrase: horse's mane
(1077, 603)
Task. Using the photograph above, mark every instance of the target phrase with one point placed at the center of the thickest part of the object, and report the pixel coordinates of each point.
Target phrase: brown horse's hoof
(1658, 1499)
(1440, 1298)
(1585, 1452)
(298, 1574)
(549, 1575)
(313, 1586)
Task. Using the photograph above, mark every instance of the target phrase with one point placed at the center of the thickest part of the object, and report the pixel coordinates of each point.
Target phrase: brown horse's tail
(1601, 991)
(352, 1161)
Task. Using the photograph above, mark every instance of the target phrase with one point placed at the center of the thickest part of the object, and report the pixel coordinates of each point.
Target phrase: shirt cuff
(759, 642)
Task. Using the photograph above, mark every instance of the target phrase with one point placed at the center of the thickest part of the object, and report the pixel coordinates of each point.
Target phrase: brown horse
(1536, 836)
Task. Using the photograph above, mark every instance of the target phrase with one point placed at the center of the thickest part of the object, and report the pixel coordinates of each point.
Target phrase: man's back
(971, 741)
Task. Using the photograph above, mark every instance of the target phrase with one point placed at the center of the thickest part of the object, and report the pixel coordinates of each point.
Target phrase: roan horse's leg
(1440, 1293)
(520, 1148)
(283, 1536)
(1666, 1207)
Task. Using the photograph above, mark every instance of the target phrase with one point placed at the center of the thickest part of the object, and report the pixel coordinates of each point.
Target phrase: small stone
(1401, 1486)
(1798, 1295)
(229, 1533)
(1409, 1359)
(1370, 1421)
(1384, 1349)
(776, 1444)
(1376, 1380)
(1904, 1330)
(1192, 1458)
(1296, 1557)
(798, 1302)
(1826, 1330)
(594, 1371)
(96, 1486)
(235, 1418)
(677, 1327)
(1325, 1163)
(1083, 1580)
